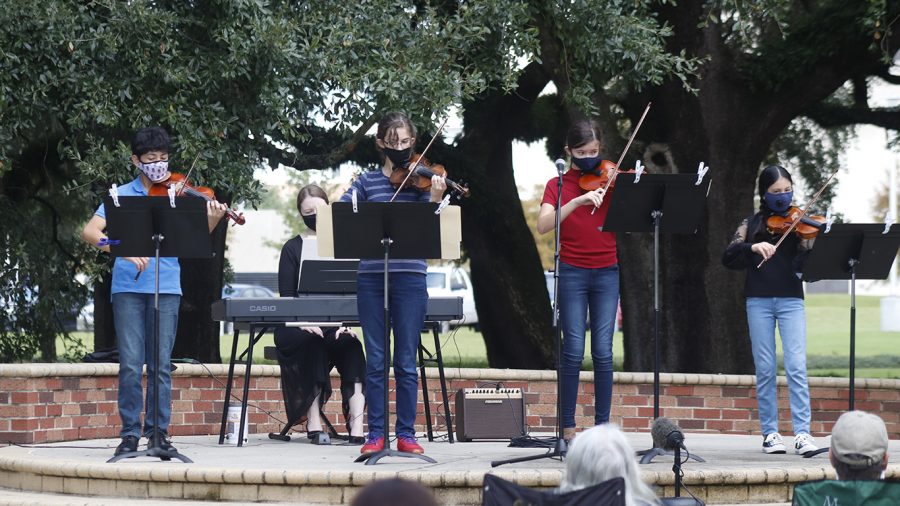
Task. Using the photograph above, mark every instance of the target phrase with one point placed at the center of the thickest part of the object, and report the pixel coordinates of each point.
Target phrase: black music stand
(848, 251)
(398, 230)
(658, 203)
(155, 227)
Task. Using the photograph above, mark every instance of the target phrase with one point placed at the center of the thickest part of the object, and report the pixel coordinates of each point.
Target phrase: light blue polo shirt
(124, 271)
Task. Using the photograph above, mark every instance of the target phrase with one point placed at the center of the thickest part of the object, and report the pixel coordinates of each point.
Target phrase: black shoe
(313, 434)
(356, 440)
(164, 443)
(129, 444)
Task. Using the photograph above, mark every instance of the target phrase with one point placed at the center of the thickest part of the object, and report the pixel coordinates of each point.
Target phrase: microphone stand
(559, 450)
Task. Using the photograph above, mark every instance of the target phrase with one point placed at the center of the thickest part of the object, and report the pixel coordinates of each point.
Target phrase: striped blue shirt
(374, 186)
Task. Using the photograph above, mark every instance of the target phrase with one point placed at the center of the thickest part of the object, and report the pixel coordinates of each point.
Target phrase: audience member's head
(602, 453)
(859, 444)
(392, 492)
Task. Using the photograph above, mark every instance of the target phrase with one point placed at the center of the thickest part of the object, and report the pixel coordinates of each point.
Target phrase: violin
(180, 183)
(421, 178)
(807, 228)
(600, 177)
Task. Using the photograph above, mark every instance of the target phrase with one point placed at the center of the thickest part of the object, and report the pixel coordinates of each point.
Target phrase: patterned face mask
(155, 171)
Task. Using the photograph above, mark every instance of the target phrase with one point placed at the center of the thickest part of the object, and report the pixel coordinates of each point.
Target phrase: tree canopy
(245, 84)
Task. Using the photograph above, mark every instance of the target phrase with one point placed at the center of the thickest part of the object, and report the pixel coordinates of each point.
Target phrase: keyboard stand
(257, 330)
(438, 361)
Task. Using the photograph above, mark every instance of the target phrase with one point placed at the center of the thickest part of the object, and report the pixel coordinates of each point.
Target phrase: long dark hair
(767, 178)
(582, 132)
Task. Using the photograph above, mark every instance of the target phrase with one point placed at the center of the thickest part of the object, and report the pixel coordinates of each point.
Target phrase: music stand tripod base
(372, 458)
(155, 452)
(648, 455)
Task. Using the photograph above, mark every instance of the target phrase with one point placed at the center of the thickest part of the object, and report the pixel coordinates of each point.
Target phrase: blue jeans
(135, 319)
(582, 291)
(409, 300)
(762, 315)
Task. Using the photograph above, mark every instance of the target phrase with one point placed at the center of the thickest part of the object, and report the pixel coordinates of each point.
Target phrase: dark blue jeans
(409, 299)
(135, 319)
(583, 292)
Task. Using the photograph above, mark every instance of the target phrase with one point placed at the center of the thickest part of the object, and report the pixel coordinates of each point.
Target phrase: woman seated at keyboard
(307, 354)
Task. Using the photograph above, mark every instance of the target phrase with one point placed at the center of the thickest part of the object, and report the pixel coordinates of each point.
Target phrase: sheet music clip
(444, 203)
(701, 171)
(171, 192)
(829, 219)
(888, 221)
(638, 170)
(353, 200)
(114, 193)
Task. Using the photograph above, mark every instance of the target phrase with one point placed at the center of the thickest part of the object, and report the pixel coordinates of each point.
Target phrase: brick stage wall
(62, 402)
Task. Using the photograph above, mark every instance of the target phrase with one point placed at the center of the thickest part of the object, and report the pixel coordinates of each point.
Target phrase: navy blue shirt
(374, 186)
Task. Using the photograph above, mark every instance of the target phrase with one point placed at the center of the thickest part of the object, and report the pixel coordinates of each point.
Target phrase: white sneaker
(773, 443)
(804, 443)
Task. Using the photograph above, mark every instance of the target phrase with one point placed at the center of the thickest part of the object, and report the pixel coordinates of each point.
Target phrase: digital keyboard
(317, 308)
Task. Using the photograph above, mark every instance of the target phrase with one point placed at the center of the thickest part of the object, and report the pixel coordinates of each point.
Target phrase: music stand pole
(559, 448)
(657, 309)
(852, 251)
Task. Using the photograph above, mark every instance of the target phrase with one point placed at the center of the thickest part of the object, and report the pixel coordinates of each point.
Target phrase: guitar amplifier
(489, 413)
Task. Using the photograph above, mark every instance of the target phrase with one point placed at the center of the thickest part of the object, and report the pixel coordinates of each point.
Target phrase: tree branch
(831, 116)
(299, 160)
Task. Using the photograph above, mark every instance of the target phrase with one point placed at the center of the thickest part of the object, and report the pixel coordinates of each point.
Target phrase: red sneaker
(373, 445)
(408, 444)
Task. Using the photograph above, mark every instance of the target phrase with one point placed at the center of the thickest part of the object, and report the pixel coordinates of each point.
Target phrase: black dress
(306, 359)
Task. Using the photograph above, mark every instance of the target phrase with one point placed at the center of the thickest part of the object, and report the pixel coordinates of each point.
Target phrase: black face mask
(587, 164)
(399, 157)
(309, 220)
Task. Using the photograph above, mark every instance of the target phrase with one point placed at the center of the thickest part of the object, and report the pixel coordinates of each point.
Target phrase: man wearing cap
(859, 443)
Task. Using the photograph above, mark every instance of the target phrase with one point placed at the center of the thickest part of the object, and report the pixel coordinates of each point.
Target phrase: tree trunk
(201, 285)
(510, 292)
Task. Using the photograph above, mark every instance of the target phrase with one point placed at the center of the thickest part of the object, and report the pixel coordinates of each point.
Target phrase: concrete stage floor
(264, 470)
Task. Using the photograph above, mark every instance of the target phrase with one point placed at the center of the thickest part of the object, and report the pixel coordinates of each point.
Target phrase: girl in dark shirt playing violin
(774, 295)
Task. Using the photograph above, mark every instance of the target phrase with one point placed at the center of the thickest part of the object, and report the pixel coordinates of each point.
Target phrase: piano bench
(269, 353)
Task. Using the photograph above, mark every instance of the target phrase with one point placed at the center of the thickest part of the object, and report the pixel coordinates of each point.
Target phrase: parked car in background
(452, 281)
(240, 291)
(548, 278)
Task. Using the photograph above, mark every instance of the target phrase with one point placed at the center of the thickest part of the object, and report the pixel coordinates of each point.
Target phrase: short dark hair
(150, 139)
(582, 132)
(845, 472)
(310, 190)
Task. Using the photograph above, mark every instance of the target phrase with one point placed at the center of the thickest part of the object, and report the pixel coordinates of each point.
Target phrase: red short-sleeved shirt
(581, 243)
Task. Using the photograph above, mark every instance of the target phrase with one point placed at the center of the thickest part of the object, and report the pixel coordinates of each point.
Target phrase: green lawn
(828, 341)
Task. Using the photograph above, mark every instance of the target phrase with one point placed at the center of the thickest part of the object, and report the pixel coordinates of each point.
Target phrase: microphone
(560, 166)
(666, 434)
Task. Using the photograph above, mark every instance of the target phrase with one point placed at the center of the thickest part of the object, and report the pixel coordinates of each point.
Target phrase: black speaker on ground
(489, 413)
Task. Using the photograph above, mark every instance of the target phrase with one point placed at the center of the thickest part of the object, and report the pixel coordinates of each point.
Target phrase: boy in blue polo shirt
(132, 300)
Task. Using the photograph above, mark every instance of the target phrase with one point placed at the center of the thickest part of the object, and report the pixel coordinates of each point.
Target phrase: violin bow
(435, 136)
(802, 214)
(609, 181)
(181, 190)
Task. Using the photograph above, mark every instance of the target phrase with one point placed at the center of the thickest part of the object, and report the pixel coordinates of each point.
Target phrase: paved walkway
(731, 461)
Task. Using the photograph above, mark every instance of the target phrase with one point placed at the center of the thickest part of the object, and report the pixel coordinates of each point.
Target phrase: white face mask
(155, 171)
